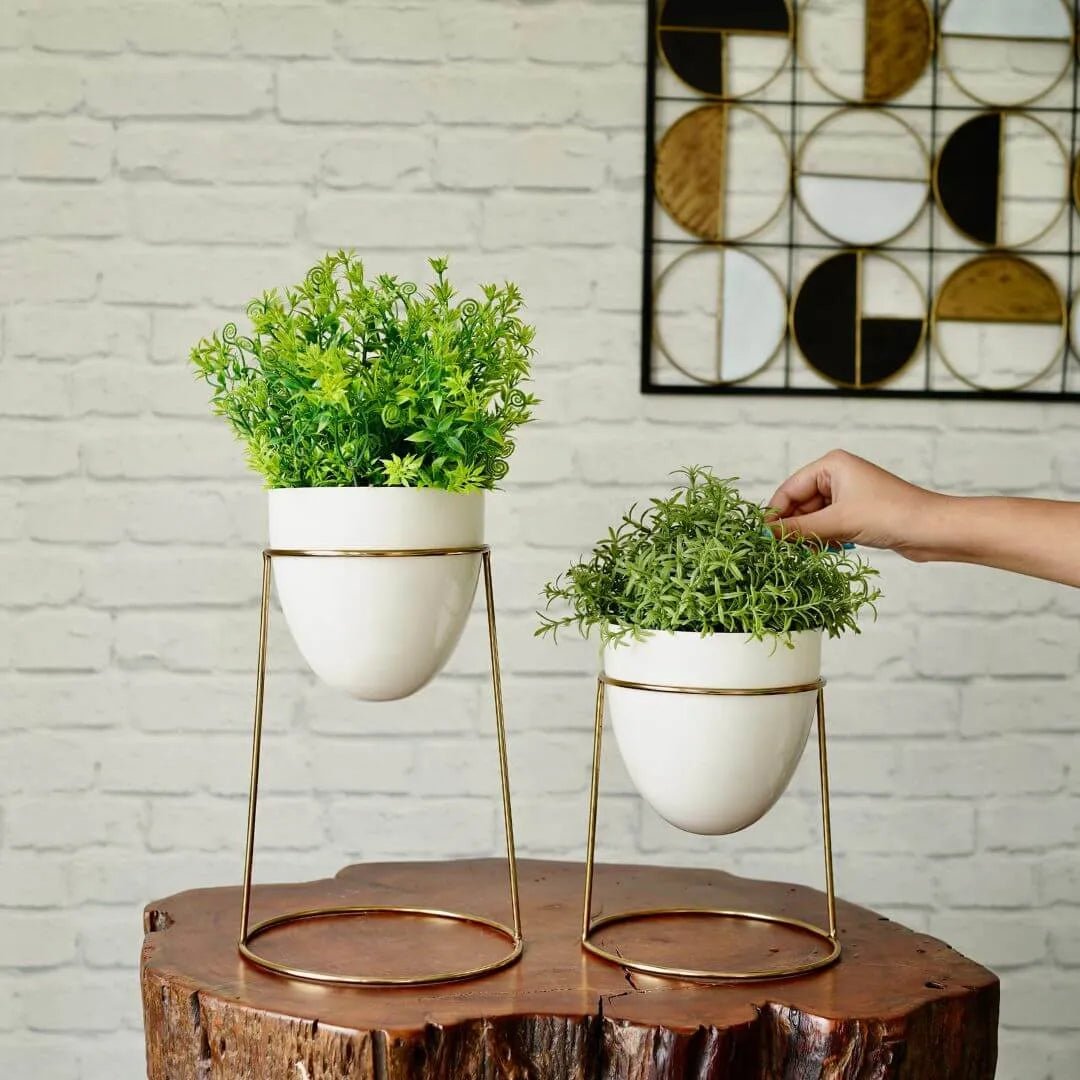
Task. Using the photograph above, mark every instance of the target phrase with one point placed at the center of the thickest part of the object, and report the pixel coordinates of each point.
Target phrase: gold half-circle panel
(691, 163)
(1000, 288)
(899, 43)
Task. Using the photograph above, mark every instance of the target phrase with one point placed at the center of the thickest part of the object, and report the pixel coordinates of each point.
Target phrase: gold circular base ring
(291, 917)
(706, 974)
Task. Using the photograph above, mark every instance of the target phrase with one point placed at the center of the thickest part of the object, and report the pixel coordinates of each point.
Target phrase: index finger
(798, 489)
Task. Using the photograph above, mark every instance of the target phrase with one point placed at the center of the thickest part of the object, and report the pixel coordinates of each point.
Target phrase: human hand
(841, 498)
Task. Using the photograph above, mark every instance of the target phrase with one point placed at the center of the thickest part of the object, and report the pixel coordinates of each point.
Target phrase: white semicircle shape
(861, 210)
(1007, 18)
(753, 316)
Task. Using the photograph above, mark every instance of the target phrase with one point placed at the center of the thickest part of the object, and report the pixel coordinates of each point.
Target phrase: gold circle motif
(889, 27)
(980, 298)
(670, 356)
(860, 254)
(1004, 115)
(943, 36)
(925, 178)
(691, 170)
(725, 95)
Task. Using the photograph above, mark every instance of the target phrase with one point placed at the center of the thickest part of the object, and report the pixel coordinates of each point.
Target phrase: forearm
(1037, 537)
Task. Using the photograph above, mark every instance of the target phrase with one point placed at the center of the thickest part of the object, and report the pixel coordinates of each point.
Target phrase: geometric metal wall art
(862, 197)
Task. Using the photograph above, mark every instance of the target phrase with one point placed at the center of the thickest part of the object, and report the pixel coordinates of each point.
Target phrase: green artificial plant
(346, 381)
(706, 560)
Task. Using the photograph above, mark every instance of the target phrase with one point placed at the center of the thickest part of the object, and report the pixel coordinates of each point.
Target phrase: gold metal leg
(594, 798)
(590, 926)
(256, 746)
(500, 731)
(249, 933)
(826, 823)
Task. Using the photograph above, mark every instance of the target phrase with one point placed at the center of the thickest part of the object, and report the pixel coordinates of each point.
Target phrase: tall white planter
(712, 764)
(378, 628)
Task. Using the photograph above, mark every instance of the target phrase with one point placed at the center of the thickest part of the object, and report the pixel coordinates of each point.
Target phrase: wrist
(932, 529)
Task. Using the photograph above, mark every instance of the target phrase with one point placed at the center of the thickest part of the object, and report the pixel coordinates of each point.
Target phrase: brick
(888, 710)
(960, 459)
(36, 579)
(68, 211)
(74, 28)
(84, 1003)
(179, 28)
(46, 699)
(28, 391)
(486, 159)
(598, 37)
(37, 1057)
(198, 823)
(37, 450)
(71, 149)
(39, 86)
(111, 939)
(483, 96)
(961, 647)
(924, 827)
(1030, 824)
(408, 33)
(12, 28)
(429, 222)
(472, 31)
(553, 826)
(42, 271)
(1040, 1000)
(1001, 707)
(371, 766)
(1065, 945)
(331, 93)
(164, 215)
(558, 220)
(441, 709)
(32, 880)
(284, 31)
(170, 580)
(166, 89)
(254, 153)
(77, 331)
(182, 516)
(990, 767)
(68, 640)
(72, 822)
(33, 940)
(379, 159)
(104, 388)
(613, 101)
(998, 941)
(68, 515)
(377, 827)
(992, 881)
(183, 451)
(210, 704)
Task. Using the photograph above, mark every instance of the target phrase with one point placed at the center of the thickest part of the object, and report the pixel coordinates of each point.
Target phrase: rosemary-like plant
(706, 560)
(346, 381)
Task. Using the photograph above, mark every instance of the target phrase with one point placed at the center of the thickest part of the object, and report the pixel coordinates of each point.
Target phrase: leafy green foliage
(346, 381)
(704, 559)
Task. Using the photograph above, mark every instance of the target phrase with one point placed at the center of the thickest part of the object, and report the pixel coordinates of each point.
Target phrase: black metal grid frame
(649, 385)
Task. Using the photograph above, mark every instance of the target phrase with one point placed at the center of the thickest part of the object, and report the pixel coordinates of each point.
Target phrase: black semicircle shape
(887, 345)
(698, 59)
(969, 176)
(825, 319)
(760, 16)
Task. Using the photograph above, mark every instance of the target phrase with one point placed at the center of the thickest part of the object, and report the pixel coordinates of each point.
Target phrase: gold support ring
(248, 933)
(590, 926)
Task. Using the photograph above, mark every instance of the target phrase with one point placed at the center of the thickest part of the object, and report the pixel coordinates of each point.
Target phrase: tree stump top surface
(897, 1004)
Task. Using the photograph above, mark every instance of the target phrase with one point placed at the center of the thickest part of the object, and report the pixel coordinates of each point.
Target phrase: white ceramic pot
(378, 628)
(711, 764)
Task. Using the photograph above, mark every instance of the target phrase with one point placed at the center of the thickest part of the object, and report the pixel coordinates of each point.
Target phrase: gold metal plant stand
(589, 925)
(249, 933)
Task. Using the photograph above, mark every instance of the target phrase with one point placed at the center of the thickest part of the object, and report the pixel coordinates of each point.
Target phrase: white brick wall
(160, 163)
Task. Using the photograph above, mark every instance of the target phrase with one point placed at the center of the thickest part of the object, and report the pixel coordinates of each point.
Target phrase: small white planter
(378, 628)
(712, 764)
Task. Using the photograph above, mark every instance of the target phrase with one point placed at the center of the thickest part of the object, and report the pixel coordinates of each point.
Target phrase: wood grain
(898, 1005)
(691, 164)
(898, 45)
(1000, 288)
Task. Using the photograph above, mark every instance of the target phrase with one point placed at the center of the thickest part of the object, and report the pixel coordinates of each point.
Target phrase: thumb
(821, 525)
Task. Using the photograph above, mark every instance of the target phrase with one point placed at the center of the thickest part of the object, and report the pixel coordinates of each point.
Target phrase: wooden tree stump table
(897, 1005)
